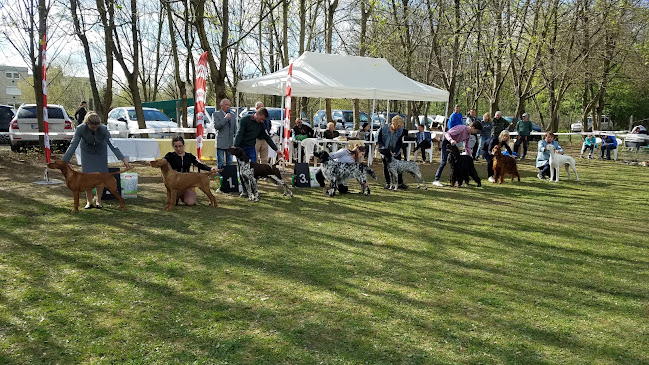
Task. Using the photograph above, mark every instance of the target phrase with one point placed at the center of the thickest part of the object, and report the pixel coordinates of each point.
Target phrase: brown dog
(177, 182)
(78, 182)
(504, 165)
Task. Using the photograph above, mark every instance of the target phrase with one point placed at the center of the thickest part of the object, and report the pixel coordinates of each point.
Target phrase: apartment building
(9, 92)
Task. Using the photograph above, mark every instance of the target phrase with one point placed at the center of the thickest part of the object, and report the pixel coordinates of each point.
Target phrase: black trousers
(525, 140)
(319, 177)
(423, 145)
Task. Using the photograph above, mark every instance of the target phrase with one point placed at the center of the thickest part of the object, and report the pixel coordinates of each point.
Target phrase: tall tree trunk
(182, 88)
(107, 16)
(132, 76)
(81, 34)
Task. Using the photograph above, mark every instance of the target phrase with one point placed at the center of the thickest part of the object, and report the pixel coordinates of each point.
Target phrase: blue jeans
(442, 161)
(608, 149)
(250, 151)
(483, 139)
(545, 170)
(222, 158)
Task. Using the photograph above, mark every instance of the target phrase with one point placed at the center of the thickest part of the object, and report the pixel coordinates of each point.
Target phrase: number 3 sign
(302, 177)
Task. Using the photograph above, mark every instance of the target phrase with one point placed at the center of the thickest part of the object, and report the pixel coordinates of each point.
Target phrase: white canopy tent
(341, 76)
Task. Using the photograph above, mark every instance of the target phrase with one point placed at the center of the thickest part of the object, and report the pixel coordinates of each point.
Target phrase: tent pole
(445, 117)
(372, 120)
(387, 114)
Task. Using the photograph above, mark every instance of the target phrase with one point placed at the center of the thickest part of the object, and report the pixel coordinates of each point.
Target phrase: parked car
(344, 119)
(6, 115)
(25, 121)
(208, 131)
(605, 124)
(124, 120)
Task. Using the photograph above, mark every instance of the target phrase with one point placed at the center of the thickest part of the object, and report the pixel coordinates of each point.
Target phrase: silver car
(124, 121)
(25, 121)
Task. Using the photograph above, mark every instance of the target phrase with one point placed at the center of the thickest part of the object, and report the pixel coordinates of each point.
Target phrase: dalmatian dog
(396, 167)
(339, 172)
(251, 171)
(557, 160)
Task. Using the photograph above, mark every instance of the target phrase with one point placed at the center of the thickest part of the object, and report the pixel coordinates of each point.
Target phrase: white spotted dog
(339, 172)
(251, 171)
(396, 167)
(557, 160)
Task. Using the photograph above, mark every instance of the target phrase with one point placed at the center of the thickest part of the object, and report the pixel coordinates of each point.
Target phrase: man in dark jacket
(251, 127)
(500, 124)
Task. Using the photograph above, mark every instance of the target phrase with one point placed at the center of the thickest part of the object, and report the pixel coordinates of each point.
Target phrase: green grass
(528, 273)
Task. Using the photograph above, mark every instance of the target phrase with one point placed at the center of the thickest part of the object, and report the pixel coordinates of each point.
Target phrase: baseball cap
(525, 115)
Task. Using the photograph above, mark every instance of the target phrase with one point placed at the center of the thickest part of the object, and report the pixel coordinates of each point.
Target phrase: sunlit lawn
(528, 272)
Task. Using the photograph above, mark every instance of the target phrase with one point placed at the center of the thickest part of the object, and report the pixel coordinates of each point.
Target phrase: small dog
(557, 160)
(251, 171)
(396, 167)
(78, 182)
(504, 165)
(461, 167)
(176, 182)
(339, 172)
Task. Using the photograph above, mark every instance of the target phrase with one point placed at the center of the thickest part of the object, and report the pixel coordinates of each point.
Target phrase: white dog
(557, 160)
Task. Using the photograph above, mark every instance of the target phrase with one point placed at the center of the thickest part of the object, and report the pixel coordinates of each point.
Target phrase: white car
(208, 131)
(605, 124)
(25, 121)
(124, 120)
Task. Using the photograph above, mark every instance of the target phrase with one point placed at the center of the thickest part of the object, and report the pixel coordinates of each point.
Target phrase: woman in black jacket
(181, 161)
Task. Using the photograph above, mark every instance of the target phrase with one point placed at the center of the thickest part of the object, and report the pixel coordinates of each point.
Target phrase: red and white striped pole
(46, 124)
(201, 83)
(287, 112)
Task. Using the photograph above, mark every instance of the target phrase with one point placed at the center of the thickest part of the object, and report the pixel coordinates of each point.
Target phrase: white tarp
(340, 76)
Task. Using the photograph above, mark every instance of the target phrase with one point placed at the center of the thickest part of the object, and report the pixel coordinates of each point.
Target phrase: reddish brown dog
(177, 182)
(504, 165)
(78, 182)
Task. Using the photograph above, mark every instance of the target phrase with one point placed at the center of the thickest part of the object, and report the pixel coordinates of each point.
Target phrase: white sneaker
(437, 183)
(491, 179)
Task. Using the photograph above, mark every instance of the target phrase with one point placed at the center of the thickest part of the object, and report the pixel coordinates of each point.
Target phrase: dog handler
(93, 137)
(459, 133)
(181, 161)
(543, 156)
(251, 128)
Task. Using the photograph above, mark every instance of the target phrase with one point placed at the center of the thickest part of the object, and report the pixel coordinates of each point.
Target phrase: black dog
(461, 167)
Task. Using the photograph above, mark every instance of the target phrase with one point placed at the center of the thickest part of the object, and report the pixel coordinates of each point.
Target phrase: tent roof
(342, 76)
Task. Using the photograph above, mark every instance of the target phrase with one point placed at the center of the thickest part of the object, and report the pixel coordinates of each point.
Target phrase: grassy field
(529, 273)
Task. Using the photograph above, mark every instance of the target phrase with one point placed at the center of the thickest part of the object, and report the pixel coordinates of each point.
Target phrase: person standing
(485, 133)
(250, 129)
(93, 138)
(500, 124)
(455, 119)
(391, 137)
(226, 127)
(473, 140)
(524, 129)
(80, 115)
(261, 148)
(459, 133)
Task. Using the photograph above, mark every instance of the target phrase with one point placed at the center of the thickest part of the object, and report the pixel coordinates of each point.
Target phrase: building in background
(10, 93)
